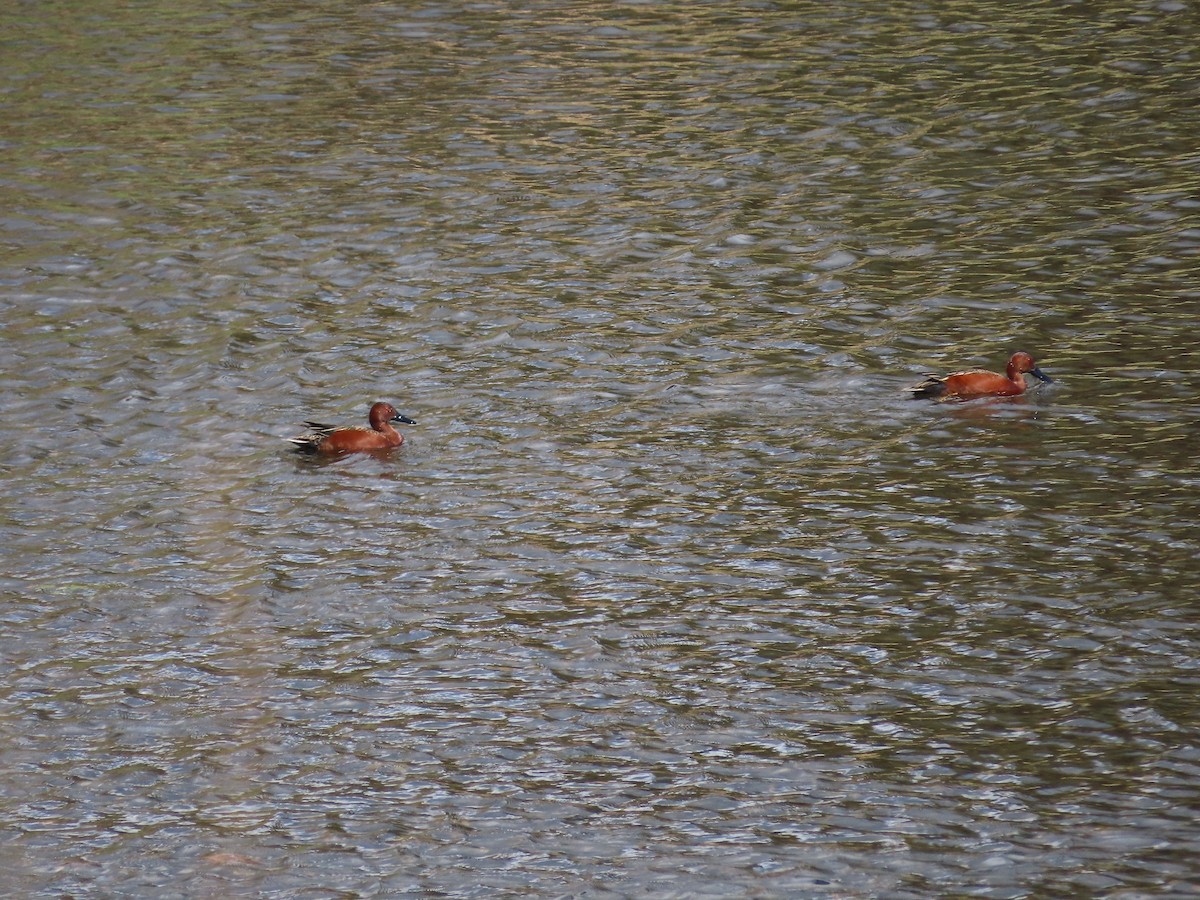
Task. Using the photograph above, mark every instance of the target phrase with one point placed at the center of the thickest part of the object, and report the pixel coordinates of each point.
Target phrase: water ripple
(670, 592)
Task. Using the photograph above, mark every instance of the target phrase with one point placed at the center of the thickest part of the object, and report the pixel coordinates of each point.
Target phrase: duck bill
(1041, 376)
(407, 421)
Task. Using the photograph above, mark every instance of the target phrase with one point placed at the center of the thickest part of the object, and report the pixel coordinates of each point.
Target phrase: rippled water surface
(671, 592)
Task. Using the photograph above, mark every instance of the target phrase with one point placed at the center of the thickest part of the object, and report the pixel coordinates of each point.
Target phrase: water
(670, 592)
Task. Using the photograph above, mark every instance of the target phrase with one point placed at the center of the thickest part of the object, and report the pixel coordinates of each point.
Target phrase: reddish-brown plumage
(332, 441)
(981, 383)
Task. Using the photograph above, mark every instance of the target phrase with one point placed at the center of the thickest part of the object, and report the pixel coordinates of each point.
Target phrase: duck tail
(306, 443)
(311, 442)
(931, 388)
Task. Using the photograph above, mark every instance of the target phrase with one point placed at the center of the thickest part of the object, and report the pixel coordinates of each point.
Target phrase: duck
(332, 440)
(980, 382)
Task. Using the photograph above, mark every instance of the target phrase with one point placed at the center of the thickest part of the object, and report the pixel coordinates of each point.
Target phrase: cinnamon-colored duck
(981, 383)
(332, 440)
